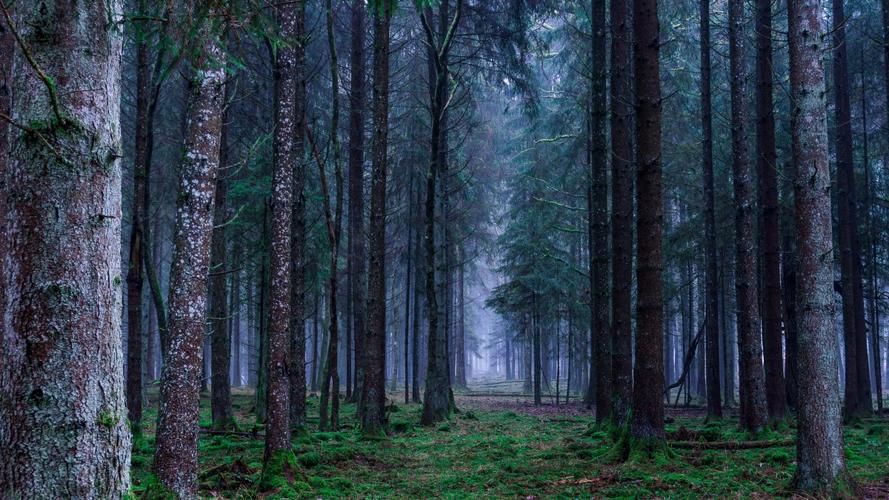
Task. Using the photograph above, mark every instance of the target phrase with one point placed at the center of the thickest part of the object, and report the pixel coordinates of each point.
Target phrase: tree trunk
(63, 428)
(221, 401)
(598, 219)
(357, 268)
(330, 383)
(134, 273)
(460, 366)
(770, 252)
(753, 400)
(648, 389)
(821, 465)
(175, 460)
(373, 414)
(873, 310)
(418, 290)
(858, 397)
(277, 435)
(298, 232)
(621, 210)
(437, 402)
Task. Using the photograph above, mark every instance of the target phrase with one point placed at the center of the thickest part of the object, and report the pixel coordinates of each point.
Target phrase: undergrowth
(483, 453)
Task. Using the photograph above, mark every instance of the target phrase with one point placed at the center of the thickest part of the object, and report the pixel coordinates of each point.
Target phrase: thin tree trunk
(621, 209)
(418, 276)
(373, 414)
(357, 268)
(134, 273)
(753, 400)
(821, 465)
(770, 252)
(648, 389)
(598, 219)
(871, 246)
(298, 235)
(407, 284)
(63, 428)
(175, 461)
(221, 402)
(858, 397)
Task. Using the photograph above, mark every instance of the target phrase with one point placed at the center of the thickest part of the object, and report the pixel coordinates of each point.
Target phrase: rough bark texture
(330, 383)
(63, 429)
(598, 219)
(298, 230)
(175, 459)
(621, 209)
(373, 414)
(134, 273)
(277, 436)
(711, 299)
(220, 335)
(819, 437)
(648, 389)
(752, 384)
(436, 403)
(770, 249)
(858, 397)
(357, 268)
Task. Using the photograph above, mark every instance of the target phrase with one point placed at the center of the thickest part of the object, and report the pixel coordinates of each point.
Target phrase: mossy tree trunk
(175, 460)
(63, 428)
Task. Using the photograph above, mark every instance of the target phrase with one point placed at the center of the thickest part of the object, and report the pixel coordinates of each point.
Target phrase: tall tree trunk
(821, 465)
(648, 389)
(753, 399)
(598, 218)
(407, 284)
(330, 383)
(873, 310)
(63, 429)
(138, 220)
(788, 281)
(858, 397)
(621, 210)
(415, 347)
(373, 414)
(460, 366)
(235, 308)
(711, 300)
(357, 268)
(175, 460)
(437, 400)
(298, 232)
(221, 401)
(277, 435)
(262, 309)
(770, 252)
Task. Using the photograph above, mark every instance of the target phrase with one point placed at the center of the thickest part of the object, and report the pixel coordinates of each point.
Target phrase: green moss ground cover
(502, 453)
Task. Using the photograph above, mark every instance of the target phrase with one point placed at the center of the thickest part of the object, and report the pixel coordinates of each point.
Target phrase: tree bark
(598, 219)
(221, 401)
(63, 429)
(820, 460)
(752, 391)
(175, 461)
(621, 210)
(330, 382)
(357, 268)
(648, 389)
(298, 231)
(770, 252)
(134, 273)
(437, 402)
(858, 397)
(277, 436)
(711, 300)
(373, 414)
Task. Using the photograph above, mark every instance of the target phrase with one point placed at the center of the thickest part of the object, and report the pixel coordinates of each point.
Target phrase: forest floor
(501, 445)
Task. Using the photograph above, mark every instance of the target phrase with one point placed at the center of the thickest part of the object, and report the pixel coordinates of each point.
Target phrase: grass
(497, 453)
